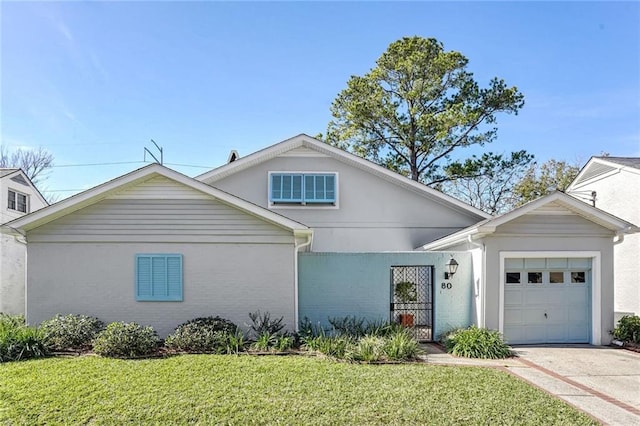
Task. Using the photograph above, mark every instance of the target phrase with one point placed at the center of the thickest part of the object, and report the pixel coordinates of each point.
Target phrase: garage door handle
(545, 315)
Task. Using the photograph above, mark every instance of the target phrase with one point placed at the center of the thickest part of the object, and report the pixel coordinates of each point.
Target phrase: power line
(98, 164)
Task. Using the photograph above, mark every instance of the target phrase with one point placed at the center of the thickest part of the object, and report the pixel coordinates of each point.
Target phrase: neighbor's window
(556, 277)
(159, 277)
(303, 188)
(578, 277)
(18, 201)
(534, 277)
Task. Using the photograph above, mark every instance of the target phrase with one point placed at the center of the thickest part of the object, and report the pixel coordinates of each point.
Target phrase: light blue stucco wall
(341, 284)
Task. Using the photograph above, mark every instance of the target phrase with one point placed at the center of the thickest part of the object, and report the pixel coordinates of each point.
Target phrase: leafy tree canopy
(415, 108)
(489, 180)
(543, 179)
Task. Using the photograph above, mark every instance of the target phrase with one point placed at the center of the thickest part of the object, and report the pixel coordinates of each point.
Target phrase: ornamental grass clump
(400, 345)
(206, 335)
(474, 342)
(19, 341)
(126, 340)
(71, 332)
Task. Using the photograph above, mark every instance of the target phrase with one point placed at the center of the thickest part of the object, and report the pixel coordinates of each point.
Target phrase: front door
(412, 299)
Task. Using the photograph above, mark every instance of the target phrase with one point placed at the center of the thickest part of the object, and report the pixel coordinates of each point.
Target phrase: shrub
(358, 327)
(262, 323)
(628, 329)
(64, 332)
(206, 335)
(334, 346)
(19, 341)
(349, 326)
(125, 340)
(367, 349)
(400, 345)
(265, 341)
(474, 342)
(235, 342)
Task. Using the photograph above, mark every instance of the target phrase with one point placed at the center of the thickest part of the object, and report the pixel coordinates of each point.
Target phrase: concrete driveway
(603, 381)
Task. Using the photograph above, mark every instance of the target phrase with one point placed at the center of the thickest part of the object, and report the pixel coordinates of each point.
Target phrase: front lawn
(211, 389)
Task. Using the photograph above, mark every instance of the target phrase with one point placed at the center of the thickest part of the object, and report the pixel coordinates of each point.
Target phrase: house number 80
(446, 286)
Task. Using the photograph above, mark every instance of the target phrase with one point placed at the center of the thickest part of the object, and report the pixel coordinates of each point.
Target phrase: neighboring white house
(160, 248)
(613, 184)
(18, 196)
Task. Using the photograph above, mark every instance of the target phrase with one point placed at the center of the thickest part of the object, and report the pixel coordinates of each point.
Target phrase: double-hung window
(17, 201)
(159, 277)
(303, 188)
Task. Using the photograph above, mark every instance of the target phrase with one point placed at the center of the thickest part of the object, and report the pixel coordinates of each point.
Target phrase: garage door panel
(533, 316)
(557, 333)
(536, 297)
(513, 316)
(513, 297)
(578, 296)
(577, 315)
(578, 333)
(535, 333)
(554, 310)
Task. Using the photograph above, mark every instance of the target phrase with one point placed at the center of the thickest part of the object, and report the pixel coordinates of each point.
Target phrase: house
(305, 230)
(18, 197)
(613, 185)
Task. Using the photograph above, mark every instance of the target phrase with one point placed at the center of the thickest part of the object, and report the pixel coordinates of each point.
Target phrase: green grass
(209, 389)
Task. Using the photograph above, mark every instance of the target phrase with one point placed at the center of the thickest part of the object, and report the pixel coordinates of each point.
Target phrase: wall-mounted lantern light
(452, 267)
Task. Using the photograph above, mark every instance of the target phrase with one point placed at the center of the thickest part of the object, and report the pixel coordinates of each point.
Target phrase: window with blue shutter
(303, 188)
(159, 277)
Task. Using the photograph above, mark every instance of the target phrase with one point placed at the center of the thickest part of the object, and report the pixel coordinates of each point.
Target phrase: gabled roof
(303, 140)
(4, 172)
(601, 166)
(21, 176)
(100, 192)
(487, 227)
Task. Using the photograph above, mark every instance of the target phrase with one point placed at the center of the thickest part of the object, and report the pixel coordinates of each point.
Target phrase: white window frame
(15, 201)
(308, 206)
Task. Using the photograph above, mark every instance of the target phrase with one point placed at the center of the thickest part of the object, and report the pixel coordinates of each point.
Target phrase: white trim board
(596, 285)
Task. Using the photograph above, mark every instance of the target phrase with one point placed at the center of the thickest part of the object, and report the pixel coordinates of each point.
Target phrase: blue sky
(93, 82)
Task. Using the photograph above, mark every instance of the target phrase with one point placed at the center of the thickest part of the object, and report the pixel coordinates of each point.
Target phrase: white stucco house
(18, 197)
(613, 185)
(304, 229)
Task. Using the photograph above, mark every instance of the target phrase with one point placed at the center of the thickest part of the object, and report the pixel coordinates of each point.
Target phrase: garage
(547, 300)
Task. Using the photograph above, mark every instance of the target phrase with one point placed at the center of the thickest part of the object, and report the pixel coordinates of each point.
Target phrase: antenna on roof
(151, 153)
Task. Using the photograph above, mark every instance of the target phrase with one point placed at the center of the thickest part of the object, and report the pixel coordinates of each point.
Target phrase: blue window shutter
(330, 188)
(159, 277)
(143, 277)
(286, 188)
(174, 277)
(276, 187)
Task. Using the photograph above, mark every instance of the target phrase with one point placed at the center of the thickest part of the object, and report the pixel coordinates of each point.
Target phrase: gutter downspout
(296, 249)
(483, 278)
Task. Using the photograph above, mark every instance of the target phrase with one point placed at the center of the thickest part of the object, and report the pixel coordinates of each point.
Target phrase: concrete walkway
(602, 381)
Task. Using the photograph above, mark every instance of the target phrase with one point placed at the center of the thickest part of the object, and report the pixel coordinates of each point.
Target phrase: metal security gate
(412, 299)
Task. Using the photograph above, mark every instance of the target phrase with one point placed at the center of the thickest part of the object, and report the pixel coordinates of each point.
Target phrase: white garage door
(547, 300)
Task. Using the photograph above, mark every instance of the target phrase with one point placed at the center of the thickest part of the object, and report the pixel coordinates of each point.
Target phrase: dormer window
(18, 201)
(302, 188)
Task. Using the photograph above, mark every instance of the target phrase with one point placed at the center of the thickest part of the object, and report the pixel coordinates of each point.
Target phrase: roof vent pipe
(233, 156)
